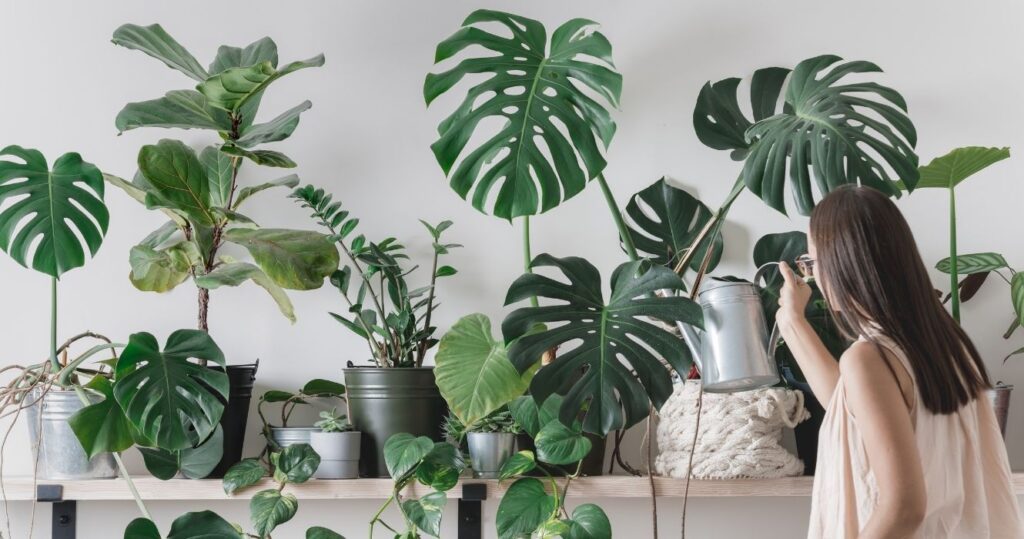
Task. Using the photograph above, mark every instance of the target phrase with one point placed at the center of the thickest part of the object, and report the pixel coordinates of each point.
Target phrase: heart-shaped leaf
(194, 462)
(534, 87)
(518, 464)
(50, 217)
(296, 463)
(531, 417)
(245, 473)
(142, 528)
(558, 444)
(271, 508)
(168, 398)
(618, 348)
(956, 166)
(426, 512)
(232, 88)
(102, 427)
(523, 508)
(665, 221)
(403, 452)
(294, 259)
(236, 273)
(319, 532)
(203, 525)
(589, 522)
(441, 467)
(319, 387)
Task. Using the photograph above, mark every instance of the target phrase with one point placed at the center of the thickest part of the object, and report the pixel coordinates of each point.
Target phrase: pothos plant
(200, 193)
(394, 319)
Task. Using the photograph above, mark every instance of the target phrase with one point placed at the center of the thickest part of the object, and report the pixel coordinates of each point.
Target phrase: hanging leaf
(318, 532)
(536, 88)
(294, 259)
(267, 158)
(142, 528)
(296, 464)
(205, 525)
(244, 193)
(236, 273)
(973, 263)
(277, 129)
(245, 473)
(665, 221)
(182, 109)
(441, 467)
(473, 371)
(717, 118)
(233, 87)
(164, 394)
(426, 512)
(194, 462)
(589, 522)
(523, 508)
(558, 444)
(619, 349)
(956, 166)
(521, 463)
(156, 42)
(270, 508)
(51, 216)
(102, 427)
(403, 452)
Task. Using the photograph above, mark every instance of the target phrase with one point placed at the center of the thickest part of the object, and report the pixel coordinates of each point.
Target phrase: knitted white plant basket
(739, 433)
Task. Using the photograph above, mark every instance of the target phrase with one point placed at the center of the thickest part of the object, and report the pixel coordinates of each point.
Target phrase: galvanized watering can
(734, 352)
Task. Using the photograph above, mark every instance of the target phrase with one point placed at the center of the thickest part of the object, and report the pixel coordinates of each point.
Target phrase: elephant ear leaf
(51, 216)
(717, 118)
(665, 221)
(956, 166)
(170, 399)
(539, 90)
(833, 131)
(156, 42)
(619, 346)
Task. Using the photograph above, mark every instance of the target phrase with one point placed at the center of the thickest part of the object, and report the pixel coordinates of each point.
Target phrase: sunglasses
(805, 264)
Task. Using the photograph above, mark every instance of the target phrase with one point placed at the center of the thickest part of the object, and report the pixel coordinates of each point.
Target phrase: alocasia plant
(200, 192)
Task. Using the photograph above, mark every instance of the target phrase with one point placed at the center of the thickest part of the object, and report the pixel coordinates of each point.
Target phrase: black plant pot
(807, 431)
(236, 414)
(385, 402)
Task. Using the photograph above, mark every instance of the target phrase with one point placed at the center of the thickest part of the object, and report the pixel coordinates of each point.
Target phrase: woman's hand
(793, 297)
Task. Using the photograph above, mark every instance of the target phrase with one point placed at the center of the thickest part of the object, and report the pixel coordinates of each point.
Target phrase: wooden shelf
(22, 488)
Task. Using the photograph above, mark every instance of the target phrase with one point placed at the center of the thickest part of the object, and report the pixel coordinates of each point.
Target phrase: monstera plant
(200, 192)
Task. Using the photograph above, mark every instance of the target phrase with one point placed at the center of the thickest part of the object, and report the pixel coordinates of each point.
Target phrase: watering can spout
(692, 339)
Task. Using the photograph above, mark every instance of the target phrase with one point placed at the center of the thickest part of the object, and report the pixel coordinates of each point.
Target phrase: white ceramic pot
(339, 454)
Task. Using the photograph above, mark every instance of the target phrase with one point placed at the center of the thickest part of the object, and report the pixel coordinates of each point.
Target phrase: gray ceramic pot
(60, 454)
(488, 452)
(339, 454)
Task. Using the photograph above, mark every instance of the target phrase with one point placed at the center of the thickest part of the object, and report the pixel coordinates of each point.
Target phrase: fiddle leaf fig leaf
(236, 273)
(834, 131)
(523, 508)
(619, 345)
(294, 259)
(232, 88)
(277, 129)
(167, 397)
(160, 270)
(535, 86)
(973, 263)
(218, 173)
(51, 216)
(473, 371)
(261, 50)
(426, 512)
(138, 193)
(956, 166)
(270, 508)
(665, 221)
(102, 427)
(181, 109)
(176, 179)
(244, 193)
(204, 524)
(156, 42)
(268, 158)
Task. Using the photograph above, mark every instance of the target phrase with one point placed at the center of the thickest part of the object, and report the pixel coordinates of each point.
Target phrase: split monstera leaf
(200, 192)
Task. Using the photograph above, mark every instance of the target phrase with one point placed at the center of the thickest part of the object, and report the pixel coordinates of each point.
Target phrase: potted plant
(282, 435)
(203, 198)
(337, 443)
(396, 392)
(492, 441)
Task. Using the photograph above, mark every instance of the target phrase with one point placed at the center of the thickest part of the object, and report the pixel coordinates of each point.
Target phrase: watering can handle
(773, 339)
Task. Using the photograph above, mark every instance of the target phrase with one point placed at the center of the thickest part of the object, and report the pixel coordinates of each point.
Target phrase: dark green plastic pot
(384, 402)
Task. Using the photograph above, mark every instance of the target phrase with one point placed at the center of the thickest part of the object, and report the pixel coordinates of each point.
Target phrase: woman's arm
(876, 401)
(816, 362)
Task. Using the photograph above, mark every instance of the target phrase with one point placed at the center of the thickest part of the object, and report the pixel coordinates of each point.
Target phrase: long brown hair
(875, 281)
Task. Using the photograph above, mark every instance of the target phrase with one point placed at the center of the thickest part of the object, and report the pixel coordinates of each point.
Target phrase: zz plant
(200, 192)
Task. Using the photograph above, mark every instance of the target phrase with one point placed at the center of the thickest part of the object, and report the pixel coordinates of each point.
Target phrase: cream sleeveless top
(966, 471)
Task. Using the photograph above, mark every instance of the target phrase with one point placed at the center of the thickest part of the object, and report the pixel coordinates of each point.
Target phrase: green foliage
(193, 462)
(974, 263)
(665, 222)
(521, 463)
(620, 350)
(316, 388)
(333, 422)
(524, 508)
(245, 473)
(294, 259)
(534, 86)
(590, 522)
(271, 508)
(102, 427)
(54, 215)
(558, 444)
(318, 532)
(947, 171)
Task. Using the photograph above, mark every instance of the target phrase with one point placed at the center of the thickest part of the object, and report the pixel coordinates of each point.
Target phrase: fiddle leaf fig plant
(619, 344)
(201, 192)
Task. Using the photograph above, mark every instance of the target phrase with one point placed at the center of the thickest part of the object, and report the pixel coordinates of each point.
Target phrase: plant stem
(422, 353)
(528, 255)
(53, 325)
(380, 511)
(954, 279)
(712, 224)
(620, 223)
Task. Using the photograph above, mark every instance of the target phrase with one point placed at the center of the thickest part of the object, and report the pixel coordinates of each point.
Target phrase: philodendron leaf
(535, 88)
(102, 427)
(619, 346)
(156, 42)
(956, 166)
(160, 270)
(277, 129)
(297, 463)
(236, 273)
(426, 512)
(531, 417)
(294, 259)
(270, 508)
(203, 525)
(245, 473)
(182, 109)
(142, 528)
(167, 397)
(473, 371)
(518, 464)
(973, 263)
(589, 522)
(231, 88)
(319, 532)
(558, 444)
(665, 221)
(441, 467)
(717, 118)
(244, 193)
(268, 158)
(319, 387)
(1017, 295)
(523, 508)
(403, 452)
(176, 179)
(50, 217)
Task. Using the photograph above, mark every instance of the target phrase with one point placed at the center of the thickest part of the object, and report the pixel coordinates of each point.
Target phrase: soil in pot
(339, 454)
(236, 414)
(385, 402)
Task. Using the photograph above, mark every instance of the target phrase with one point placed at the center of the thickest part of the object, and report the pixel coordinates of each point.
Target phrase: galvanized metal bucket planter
(488, 452)
(286, 436)
(61, 456)
(339, 454)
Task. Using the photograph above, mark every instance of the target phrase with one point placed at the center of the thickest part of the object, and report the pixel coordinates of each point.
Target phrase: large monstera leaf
(170, 399)
(828, 130)
(539, 90)
(612, 340)
(59, 212)
(665, 221)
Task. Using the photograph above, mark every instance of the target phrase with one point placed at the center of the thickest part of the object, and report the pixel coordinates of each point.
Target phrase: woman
(909, 446)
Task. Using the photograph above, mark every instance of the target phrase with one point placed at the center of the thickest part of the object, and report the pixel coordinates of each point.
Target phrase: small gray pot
(488, 452)
(339, 454)
(286, 436)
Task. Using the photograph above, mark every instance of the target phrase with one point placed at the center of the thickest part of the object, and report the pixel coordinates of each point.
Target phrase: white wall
(367, 139)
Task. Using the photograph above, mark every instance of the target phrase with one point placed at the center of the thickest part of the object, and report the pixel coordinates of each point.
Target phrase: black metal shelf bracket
(65, 512)
(471, 510)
